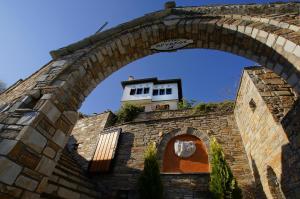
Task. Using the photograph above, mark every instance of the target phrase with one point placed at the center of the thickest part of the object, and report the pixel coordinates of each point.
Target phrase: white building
(153, 94)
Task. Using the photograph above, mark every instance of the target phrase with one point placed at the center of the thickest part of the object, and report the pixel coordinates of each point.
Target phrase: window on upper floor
(132, 91)
(169, 91)
(155, 92)
(146, 90)
(139, 91)
(161, 91)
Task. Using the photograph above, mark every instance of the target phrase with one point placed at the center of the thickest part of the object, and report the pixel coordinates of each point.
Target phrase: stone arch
(40, 111)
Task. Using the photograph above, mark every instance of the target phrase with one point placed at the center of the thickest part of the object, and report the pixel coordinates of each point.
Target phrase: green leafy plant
(222, 183)
(128, 112)
(206, 107)
(149, 183)
(185, 104)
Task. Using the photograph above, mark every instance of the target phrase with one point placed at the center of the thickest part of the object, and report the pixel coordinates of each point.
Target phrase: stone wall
(263, 101)
(186, 186)
(84, 137)
(138, 134)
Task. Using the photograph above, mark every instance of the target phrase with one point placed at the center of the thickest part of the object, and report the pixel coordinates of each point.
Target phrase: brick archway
(38, 114)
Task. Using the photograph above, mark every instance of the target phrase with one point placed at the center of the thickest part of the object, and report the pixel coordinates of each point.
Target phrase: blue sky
(32, 28)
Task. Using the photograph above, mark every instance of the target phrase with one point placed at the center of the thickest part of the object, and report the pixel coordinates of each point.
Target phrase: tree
(149, 184)
(2, 86)
(222, 183)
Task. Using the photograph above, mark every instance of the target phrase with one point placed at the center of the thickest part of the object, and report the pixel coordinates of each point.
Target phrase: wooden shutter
(105, 151)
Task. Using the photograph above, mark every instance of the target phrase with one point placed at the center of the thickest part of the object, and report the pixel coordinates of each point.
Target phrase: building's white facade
(153, 94)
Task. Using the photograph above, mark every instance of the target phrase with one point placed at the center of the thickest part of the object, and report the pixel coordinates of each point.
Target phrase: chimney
(130, 78)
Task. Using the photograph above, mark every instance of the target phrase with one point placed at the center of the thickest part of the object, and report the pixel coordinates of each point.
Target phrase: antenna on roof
(101, 28)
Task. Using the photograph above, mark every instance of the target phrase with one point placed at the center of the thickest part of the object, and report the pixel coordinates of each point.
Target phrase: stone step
(80, 180)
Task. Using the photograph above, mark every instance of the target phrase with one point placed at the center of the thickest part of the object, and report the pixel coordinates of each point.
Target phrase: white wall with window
(152, 94)
(163, 92)
(137, 92)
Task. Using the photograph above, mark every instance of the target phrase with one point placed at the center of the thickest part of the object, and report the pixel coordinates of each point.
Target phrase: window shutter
(105, 151)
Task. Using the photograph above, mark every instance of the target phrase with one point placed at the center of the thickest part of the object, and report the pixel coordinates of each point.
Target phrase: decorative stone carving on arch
(163, 145)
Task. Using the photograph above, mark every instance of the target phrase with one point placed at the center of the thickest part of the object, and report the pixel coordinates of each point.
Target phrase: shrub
(222, 183)
(206, 107)
(149, 183)
(185, 104)
(128, 112)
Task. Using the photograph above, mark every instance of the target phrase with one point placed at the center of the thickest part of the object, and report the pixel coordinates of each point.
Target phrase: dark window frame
(162, 91)
(146, 90)
(170, 91)
(139, 91)
(155, 92)
(132, 91)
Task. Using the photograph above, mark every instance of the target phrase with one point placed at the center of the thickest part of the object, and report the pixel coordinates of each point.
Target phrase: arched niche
(196, 163)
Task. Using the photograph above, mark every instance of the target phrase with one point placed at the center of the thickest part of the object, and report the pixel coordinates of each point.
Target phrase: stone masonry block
(58, 63)
(51, 188)
(30, 195)
(271, 39)
(6, 146)
(66, 193)
(8, 171)
(32, 138)
(50, 110)
(254, 32)
(248, 30)
(280, 41)
(122, 50)
(43, 185)
(59, 138)
(46, 166)
(289, 46)
(10, 190)
(26, 183)
(48, 151)
(263, 34)
(297, 51)
(27, 118)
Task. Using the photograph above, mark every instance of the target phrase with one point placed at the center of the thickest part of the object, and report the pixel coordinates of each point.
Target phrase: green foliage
(206, 107)
(222, 183)
(149, 184)
(185, 104)
(128, 112)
